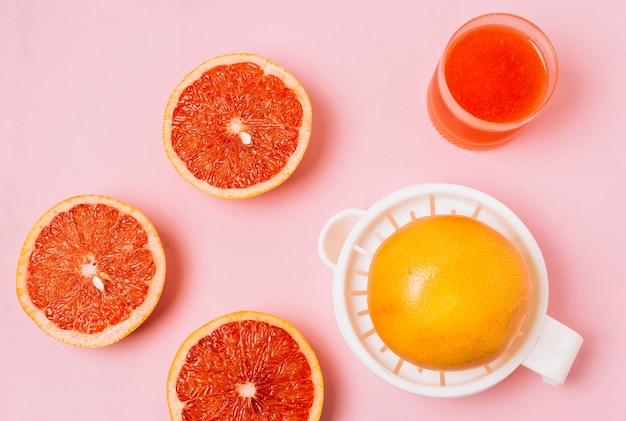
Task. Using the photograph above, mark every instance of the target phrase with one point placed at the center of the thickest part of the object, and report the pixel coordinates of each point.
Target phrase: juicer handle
(334, 234)
(554, 353)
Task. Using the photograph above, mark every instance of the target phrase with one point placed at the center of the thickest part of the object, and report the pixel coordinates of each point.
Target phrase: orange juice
(497, 72)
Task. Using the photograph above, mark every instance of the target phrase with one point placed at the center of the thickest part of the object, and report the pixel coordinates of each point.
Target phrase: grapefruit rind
(176, 406)
(270, 68)
(110, 334)
(452, 284)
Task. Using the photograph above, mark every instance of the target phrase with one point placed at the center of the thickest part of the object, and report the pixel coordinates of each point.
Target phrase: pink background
(84, 87)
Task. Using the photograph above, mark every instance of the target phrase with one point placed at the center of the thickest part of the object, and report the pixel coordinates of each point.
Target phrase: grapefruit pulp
(91, 270)
(245, 366)
(237, 126)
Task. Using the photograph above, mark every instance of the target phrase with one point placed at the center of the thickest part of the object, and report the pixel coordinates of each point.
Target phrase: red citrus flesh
(81, 236)
(214, 103)
(245, 368)
(90, 272)
(237, 126)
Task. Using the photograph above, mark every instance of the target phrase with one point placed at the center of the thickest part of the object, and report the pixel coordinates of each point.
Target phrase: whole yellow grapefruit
(447, 292)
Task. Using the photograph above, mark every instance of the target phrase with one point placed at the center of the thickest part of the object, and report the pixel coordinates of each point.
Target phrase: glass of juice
(495, 75)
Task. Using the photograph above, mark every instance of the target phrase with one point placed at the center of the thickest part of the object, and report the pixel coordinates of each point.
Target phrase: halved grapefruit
(91, 270)
(237, 126)
(245, 366)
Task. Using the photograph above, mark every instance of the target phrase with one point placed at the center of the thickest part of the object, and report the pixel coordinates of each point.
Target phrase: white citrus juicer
(347, 243)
